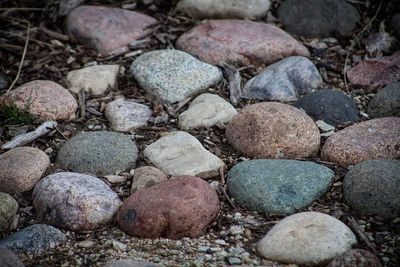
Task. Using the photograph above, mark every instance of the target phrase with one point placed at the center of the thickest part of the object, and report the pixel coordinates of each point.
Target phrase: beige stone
(145, 177)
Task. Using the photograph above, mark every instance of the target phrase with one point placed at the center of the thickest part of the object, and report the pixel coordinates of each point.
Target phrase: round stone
(386, 102)
(8, 211)
(99, 153)
(9, 259)
(75, 201)
(356, 258)
(273, 130)
(395, 23)
(145, 177)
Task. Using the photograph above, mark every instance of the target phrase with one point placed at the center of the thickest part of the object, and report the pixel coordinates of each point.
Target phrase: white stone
(306, 238)
(180, 153)
(207, 110)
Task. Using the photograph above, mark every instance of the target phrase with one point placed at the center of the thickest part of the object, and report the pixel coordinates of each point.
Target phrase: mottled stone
(8, 212)
(386, 102)
(9, 259)
(131, 263)
(145, 177)
(356, 258)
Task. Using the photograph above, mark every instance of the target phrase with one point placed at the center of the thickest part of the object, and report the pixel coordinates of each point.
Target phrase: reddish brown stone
(239, 41)
(180, 207)
(107, 29)
(373, 139)
(356, 258)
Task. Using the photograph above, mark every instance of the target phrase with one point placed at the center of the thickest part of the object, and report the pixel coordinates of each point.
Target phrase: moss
(11, 114)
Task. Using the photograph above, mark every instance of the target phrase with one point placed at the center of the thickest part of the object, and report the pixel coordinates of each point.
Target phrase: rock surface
(386, 102)
(285, 80)
(395, 23)
(356, 258)
(145, 177)
(306, 238)
(131, 263)
(239, 42)
(9, 259)
(8, 212)
(21, 168)
(173, 75)
(273, 130)
(98, 153)
(373, 139)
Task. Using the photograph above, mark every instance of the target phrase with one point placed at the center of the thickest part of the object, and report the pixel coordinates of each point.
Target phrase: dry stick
(361, 234)
(21, 9)
(226, 196)
(82, 104)
(222, 174)
(55, 35)
(233, 77)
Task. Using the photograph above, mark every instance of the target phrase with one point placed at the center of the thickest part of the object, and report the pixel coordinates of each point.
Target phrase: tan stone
(145, 177)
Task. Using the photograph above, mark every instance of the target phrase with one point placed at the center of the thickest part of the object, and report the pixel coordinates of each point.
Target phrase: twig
(53, 34)
(360, 233)
(82, 104)
(222, 174)
(226, 196)
(233, 76)
(21, 9)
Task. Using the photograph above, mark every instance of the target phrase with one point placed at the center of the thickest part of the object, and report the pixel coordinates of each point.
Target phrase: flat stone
(35, 238)
(131, 263)
(126, 115)
(318, 18)
(273, 130)
(278, 186)
(173, 75)
(9, 259)
(207, 110)
(75, 201)
(8, 212)
(239, 42)
(145, 177)
(285, 80)
(356, 258)
(395, 23)
(224, 9)
(46, 100)
(373, 139)
(99, 153)
(325, 237)
(107, 29)
(373, 187)
(183, 206)
(95, 80)
(333, 107)
(21, 168)
(180, 153)
(386, 102)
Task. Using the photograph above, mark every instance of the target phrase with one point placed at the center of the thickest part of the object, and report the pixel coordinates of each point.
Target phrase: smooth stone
(99, 153)
(373, 187)
(395, 23)
(35, 238)
(325, 237)
(126, 115)
(207, 110)
(8, 212)
(46, 100)
(224, 9)
(273, 130)
(179, 153)
(9, 259)
(107, 29)
(75, 201)
(173, 75)
(21, 168)
(183, 206)
(131, 263)
(145, 177)
(278, 186)
(332, 107)
(285, 80)
(239, 42)
(318, 18)
(95, 80)
(373, 139)
(356, 258)
(386, 102)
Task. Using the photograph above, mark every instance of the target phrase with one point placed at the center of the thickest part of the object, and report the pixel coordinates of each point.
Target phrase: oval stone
(8, 211)
(386, 102)
(356, 258)
(9, 259)
(145, 177)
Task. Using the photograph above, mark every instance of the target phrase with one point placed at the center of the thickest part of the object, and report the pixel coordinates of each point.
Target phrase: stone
(325, 237)
(395, 23)
(356, 258)
(126, 115)
(278, 186)
(131, 263)
(99, 153)
(45, 99)
(372, 139)
(107, 29)
(8, 211)
(386, 102)
(95, 80)
(318, 18)
(145, 177)
(9, 259)
(239, 42)
(373, 187)
(86, 244)
(273, 130)
(285, 80)
(21, 168)
(333, 107)
(224, 9)
(75, 201)
(183, 206)
(207, 110)
(373, 74)
(35, 238)
(173, 75)
(179, 153)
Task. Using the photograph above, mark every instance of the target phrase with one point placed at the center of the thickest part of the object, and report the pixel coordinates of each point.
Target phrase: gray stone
(285, 80)
(99, 153)
(34, 239)
(395, 24)
(173, 75)
(386, 102)
(373, 187)
(131, 263)
(9, 259)
(8, 211)
(278, 186)
(145, 177)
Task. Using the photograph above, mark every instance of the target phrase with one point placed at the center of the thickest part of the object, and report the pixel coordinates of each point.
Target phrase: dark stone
(386, 102)
(9, 259)
(356, 258)
(395, 24)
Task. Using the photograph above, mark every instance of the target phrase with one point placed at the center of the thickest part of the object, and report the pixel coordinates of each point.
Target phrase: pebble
(9, 259)
(21, 168)
(386, 102)
(131, 263)
(119, 246)
(86, 244)
(234, 261)
(236, 230)
(8, 212)
(233, 41)
(356, 258)
(75, 201)
(145, 177)
(173, 75)
(115, 179)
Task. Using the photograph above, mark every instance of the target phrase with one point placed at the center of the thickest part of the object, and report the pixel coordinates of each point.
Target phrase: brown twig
(233, 77)
(53, 34)
(226, 196)
(361, 234)
(222, 174)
